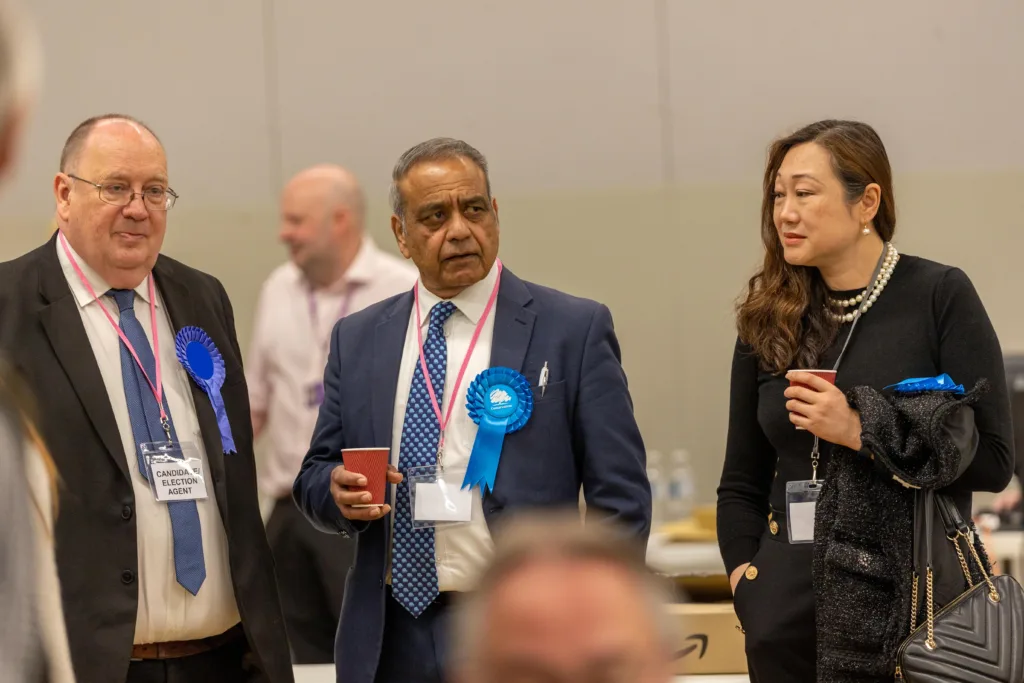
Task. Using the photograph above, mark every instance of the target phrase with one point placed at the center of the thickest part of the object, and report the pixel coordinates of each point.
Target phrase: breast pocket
(555, 391)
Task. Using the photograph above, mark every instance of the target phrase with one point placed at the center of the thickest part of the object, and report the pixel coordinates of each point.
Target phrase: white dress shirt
(167, 611)
(289, 350)
(462, 550)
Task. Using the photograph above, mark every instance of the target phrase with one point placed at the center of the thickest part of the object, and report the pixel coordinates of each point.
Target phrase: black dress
(928, 320)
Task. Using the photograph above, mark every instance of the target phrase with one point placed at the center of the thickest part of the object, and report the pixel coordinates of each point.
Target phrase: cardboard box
(710, 641)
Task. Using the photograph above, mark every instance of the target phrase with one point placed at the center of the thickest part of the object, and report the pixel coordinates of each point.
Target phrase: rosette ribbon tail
(227, 441)
(483, 460)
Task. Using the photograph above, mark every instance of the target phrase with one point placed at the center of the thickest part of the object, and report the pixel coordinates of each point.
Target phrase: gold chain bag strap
(978, 637)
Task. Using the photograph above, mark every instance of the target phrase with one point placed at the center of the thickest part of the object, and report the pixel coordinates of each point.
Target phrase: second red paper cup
(372, 463)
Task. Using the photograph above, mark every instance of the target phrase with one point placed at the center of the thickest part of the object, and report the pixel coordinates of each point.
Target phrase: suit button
(127, 576)
(751, 573)
(773, 526)
(126, 512)
(380, 584)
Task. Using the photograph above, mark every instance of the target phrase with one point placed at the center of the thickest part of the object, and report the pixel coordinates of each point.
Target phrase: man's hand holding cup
(359, 484)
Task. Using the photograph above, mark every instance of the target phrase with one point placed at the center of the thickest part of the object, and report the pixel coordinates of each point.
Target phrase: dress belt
(186, 648)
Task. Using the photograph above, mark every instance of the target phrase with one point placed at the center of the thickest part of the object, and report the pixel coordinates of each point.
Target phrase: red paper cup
(827, 375)
(372, 463)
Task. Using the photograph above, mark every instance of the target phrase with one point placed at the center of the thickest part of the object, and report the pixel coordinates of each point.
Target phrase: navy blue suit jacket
(582, 433)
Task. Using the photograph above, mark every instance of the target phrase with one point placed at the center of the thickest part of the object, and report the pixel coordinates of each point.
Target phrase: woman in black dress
(828, 218)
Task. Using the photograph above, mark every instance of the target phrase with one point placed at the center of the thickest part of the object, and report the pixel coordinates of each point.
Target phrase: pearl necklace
(859, 303)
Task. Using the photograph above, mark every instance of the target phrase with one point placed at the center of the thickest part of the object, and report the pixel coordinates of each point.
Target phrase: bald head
(563, 602)
(332, 185)
(69, 156)
(322, 213)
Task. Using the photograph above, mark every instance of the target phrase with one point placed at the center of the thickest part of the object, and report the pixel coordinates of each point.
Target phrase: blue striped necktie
(189, 564)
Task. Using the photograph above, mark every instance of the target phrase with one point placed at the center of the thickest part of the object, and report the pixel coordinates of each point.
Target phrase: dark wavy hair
(782, 315)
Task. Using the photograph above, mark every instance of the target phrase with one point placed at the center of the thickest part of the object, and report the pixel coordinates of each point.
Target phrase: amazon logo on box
(710, 641)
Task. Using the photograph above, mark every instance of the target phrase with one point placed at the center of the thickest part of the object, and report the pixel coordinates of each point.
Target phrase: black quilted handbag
(978, 637)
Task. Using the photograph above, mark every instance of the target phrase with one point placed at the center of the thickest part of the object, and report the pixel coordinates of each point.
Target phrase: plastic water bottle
(659, 487)
(681, 486)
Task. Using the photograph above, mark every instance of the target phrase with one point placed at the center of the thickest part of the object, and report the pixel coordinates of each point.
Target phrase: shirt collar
(471, 301)
(360, 271)
(99, 285)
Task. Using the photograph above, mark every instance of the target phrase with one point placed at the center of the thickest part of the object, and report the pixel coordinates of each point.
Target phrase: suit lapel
(182, 312)
(62, 322)
(513, 323)
(389, 340)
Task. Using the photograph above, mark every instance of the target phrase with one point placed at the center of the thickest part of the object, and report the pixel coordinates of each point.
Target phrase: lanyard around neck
(443, 421)
(156, 384)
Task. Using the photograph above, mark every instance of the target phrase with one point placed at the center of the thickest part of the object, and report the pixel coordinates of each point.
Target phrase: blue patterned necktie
(413, 568)
(189, 564)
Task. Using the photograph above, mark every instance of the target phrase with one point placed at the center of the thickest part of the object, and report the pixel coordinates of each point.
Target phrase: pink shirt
(289, 349)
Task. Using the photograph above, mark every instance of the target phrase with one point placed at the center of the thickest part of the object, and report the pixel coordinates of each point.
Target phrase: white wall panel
(940, 80)
(556, 94)
(192, 69)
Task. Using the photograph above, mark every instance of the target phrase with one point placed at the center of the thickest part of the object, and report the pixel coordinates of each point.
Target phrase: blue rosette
(914, 385)
(205, 365)
(500, 402)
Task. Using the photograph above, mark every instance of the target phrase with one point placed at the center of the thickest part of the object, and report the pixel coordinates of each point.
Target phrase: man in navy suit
(397, 377)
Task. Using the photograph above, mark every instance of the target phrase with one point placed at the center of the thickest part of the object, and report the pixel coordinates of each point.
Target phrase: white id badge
(437, 497)
(175, 471)
(801, 499)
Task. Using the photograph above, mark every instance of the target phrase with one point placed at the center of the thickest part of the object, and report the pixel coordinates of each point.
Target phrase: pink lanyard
(342, 312)
(157, 387)
(443, 422)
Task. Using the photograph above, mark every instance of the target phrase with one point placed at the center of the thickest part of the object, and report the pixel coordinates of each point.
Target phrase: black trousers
(227, 664)
(414, 648)
(776, 611)
(311, 568)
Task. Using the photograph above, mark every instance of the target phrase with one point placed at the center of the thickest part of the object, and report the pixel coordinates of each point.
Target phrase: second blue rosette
(500, 402)
(205, 365)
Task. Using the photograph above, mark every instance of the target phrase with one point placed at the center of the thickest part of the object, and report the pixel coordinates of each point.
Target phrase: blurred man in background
(562, 603)
(335, 269)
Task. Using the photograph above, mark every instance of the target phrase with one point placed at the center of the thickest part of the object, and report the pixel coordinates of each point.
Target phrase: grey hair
(435, 149)
(537, 538)
(21, 59)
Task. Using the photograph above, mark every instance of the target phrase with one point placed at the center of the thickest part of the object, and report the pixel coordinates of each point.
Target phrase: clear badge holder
(175, 471)
(801, 501)
(437, 498)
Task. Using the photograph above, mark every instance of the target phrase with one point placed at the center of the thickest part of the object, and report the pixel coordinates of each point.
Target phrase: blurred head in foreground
(564, 603)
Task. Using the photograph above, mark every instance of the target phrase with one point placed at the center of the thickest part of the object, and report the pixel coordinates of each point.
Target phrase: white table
(324, 673)
(684, 559)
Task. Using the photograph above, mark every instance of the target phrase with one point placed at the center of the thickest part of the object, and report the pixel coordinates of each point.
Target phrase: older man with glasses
(164, 563)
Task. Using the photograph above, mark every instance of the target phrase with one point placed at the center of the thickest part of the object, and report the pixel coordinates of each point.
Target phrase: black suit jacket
(43, 336)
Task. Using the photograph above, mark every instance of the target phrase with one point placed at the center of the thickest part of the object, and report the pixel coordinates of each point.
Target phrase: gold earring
(867, 230)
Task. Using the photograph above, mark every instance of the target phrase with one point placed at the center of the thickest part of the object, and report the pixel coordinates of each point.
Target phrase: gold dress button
(751, 573)
(773, 526)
